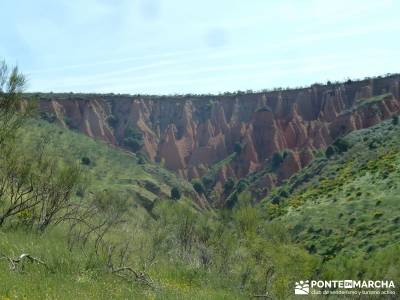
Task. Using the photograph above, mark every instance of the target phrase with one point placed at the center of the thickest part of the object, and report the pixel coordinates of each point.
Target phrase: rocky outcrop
(188, 134)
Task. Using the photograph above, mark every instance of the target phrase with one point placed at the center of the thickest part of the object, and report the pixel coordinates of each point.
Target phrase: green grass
(342, 212)
(79, 274)
(374, 99)
(69, 275)
(109, 168)
(347, 205)
(213, 171)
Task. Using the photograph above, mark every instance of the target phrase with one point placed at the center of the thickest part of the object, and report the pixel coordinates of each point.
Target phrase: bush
(341, 145)
(277, 159)
(237, 148)
(141, 158)
(112, 121)
(198, 186)
(86, 161)
(175, 193)
(275, 199)
(133, 139)
(242, 185)
(395, 120)
(330, 151)
(231, 201)
(228, 186)
(70, 123)
(49, 117)
(207, 182)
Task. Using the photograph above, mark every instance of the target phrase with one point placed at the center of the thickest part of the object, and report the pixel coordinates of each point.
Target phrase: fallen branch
(15, 262)
(138, 276)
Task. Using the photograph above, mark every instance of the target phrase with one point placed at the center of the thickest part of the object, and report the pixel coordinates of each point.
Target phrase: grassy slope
(79, 274)
(344, 208)
(68, 275)
(347, 205)
(255, 181)
(109, 168)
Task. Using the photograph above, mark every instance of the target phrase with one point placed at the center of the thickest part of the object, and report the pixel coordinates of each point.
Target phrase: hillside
(189, 134)
(86, 217)
(105, 167)
(345, 205)
(199, 150)
(181, 251)
(326, 220)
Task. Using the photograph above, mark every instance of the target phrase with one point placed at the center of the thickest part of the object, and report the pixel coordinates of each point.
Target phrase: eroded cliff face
(189, 134)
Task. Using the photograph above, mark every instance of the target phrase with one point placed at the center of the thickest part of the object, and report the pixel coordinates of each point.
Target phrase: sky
(187, 46)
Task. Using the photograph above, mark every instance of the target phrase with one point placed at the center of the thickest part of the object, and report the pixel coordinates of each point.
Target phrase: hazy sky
(182, 46)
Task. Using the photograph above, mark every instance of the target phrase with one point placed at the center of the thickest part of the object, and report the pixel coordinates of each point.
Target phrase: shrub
(275, 199)
(283, 193)
(85, 161)
(112, 121)
(242, 185)
(231, 201)
(395, 120)
(70, 123)
(352, 220)
(277, 159)
(330, 151)
(228, 186)
(207, 181)
(49, 117)
(312, 249)
(198, 186)
(341, 145)
(372, 145)
(141, 159)
(237, 147)
(175, 193)
(133, 139)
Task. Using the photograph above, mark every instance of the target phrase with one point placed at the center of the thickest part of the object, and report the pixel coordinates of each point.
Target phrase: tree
(60, 185)
(35, 186)
(12, 107)
(175, 193)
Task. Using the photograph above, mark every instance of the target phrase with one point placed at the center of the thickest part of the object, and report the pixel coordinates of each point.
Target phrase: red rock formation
(191, 133)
